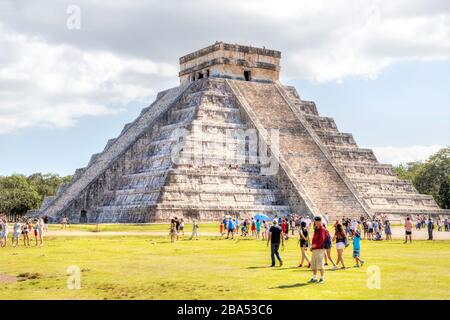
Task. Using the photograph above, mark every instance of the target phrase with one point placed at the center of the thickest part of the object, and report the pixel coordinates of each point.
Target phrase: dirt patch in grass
(28, 276)
(4, 278)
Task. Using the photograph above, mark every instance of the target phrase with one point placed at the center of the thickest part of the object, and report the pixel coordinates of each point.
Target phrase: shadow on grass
(290, 286)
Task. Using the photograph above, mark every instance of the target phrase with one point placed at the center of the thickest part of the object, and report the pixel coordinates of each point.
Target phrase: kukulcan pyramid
(232, 138)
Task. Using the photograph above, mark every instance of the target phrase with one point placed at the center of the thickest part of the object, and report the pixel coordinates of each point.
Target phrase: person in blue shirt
(357, 248)
(231, 225)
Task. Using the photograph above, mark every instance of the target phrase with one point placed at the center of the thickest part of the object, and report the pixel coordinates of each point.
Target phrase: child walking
(357, 248)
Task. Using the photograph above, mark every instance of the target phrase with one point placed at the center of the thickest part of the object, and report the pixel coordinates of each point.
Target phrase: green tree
(433, 178)
(17, 196)
(430, 177)
(47, 184)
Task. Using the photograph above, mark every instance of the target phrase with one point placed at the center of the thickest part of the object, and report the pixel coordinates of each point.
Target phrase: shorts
(340, 245)
(3, 235)
(181, 227)
(317, 259)
(355, 253)
(408, 233)
(370, 230)
(16, 235)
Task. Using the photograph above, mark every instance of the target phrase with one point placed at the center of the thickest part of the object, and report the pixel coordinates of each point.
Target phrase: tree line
(431, 176)
(20, 193)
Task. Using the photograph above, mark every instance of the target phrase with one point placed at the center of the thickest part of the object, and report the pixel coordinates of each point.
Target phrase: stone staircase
(376, 183)
(301, 153)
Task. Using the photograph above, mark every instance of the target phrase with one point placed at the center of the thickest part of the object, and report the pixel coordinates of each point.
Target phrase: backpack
(328, 241)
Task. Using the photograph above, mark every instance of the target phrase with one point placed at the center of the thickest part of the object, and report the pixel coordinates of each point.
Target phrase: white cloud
(52, 77)
(54, 85)
(398, 155)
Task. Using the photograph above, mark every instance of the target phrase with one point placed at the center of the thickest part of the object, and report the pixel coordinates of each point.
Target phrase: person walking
(357, 249)
(275, 237)
(231, 227)
(304, 244)
(318, 251)
(327, 246)
(341, 242)
(194, 230)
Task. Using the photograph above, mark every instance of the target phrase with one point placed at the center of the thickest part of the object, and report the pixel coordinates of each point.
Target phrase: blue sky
(381, 70)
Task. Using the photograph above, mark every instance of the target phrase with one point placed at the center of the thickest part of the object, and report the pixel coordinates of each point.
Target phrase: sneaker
(356, 266)
(335, 267)
(321, 281)
(281, 263)
(312, 280)
(362, 262)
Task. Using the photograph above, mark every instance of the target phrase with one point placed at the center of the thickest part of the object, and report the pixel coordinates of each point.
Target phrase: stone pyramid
(232, 138)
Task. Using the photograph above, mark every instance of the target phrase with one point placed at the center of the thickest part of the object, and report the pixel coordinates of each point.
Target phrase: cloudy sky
(72, 73)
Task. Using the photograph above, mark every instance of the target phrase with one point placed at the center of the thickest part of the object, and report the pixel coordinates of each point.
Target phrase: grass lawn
(142, 267)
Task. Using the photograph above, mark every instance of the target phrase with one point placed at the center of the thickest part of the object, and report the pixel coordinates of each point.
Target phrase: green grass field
(144, 267)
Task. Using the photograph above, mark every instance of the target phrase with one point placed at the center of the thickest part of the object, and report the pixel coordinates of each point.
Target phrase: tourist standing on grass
(45, 223)
(275, 238)
(194, 230)
(177, 226)
(173, 230)
(430, 228)
(64, 222)
(357, 249)
(258, 229)
(369, 230)
(264, 230)
(304, 244)
(327, 246)
(222, 228)
(408, 230)
(366, 229)
(16, 234)
(3, 232)
(318, 251)
(182, 226)
(230, 229)
(325, 219)
(38, 232)
(26, 234)
(387, 229)
(341, 242)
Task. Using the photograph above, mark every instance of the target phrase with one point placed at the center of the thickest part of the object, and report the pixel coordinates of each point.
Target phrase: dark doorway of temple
(83, 216)
(247, 75)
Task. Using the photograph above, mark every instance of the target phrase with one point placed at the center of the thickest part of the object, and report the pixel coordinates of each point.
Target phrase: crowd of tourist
(314, 236)
(25, 228)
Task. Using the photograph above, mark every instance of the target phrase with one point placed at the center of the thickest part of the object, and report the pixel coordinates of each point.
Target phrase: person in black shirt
(275, 237)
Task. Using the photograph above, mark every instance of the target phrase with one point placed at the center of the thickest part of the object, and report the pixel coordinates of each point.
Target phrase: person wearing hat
(275, 237)
(357, 248)
(318, 251)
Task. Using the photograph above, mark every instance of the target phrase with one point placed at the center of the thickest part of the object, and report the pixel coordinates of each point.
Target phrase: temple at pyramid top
(231, 61)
